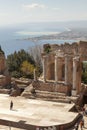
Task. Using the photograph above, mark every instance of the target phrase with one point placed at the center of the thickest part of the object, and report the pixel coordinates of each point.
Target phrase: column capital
(77, 58)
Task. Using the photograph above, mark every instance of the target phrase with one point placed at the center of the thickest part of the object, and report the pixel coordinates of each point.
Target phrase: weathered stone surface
(15, 92)
(29, 114)
(64, 63)
(29, 92)
(4, 91)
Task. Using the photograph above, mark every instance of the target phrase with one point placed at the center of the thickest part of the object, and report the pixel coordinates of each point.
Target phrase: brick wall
(52, 87)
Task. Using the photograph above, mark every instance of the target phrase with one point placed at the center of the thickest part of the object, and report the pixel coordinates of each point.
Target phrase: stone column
(74, 73)
(66, 70)
(60, 68)
(44, 68)
(35, 77)
(56, 69)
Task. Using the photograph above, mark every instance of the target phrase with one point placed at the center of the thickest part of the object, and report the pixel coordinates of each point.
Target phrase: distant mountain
(70, 34)
(68, 30)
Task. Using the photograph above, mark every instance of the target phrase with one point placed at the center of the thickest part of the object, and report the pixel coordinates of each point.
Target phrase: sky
(23, 11)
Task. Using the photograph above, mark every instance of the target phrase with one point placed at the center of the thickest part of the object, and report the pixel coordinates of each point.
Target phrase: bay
(12, 39)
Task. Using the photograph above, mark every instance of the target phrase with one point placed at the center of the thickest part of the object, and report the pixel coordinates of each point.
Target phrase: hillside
(71, 33)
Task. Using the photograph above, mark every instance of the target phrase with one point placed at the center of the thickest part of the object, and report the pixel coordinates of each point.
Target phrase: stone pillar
(77, 69)
(44, 68)
(66, 70)
(56, 69)
(60, 68)
(74, 73)
(35, 77)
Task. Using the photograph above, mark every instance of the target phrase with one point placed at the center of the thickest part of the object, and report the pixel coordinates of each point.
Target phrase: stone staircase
(49, 96)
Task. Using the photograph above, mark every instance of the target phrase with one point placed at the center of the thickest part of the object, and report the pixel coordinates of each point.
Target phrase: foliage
(15, 62)
(84, 73)
(47, 48)
(84, 77)
(27, 69)
(35, 52)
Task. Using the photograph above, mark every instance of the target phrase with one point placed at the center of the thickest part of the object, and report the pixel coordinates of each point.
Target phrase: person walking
(11, 105)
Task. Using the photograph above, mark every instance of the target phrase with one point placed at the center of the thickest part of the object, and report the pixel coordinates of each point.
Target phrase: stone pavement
(35, 112)
(85, 123)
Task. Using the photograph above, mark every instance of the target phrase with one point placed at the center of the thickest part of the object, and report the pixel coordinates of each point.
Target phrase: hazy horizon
(21, 11)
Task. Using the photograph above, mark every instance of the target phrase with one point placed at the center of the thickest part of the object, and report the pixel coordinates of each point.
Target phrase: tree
(27, 69)
(14, 62)
(35, 52)
(84, 72)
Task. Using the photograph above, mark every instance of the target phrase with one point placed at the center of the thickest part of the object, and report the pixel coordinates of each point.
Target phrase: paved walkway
(8, 128)
(35, 112)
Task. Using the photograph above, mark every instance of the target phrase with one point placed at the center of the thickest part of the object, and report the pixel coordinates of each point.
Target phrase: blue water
(11, 39)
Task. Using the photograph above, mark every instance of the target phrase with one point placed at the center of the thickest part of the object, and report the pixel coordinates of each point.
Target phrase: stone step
(51, 93)
(49, 96)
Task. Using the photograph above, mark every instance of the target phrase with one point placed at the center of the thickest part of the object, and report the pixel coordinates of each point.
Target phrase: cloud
(34, 5)
(56, 8)
(3, 14)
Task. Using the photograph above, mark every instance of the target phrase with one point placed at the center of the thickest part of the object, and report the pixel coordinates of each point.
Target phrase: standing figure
(77, 126)
(81, 124)
(11, 105)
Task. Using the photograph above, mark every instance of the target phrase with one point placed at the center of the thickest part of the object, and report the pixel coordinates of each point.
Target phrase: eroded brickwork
(64, 63)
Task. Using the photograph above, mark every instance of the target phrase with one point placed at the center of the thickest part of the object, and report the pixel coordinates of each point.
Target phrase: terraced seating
(49, 96)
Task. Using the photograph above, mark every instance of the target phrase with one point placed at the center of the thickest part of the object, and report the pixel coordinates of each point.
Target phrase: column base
(74, 93)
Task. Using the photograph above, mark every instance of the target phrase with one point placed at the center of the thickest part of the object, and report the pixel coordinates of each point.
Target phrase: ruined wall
(52, 87)
(66, 47)
(82, 45)
(74, 48)
(64, 62)
(50, 66)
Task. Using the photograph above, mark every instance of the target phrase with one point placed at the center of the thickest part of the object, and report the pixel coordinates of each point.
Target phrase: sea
(15, 38)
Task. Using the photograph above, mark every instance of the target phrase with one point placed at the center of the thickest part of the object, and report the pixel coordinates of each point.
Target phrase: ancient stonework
(63, 63)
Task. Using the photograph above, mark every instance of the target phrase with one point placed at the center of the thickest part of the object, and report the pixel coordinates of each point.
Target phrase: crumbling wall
(52, 87)
(74, 48)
